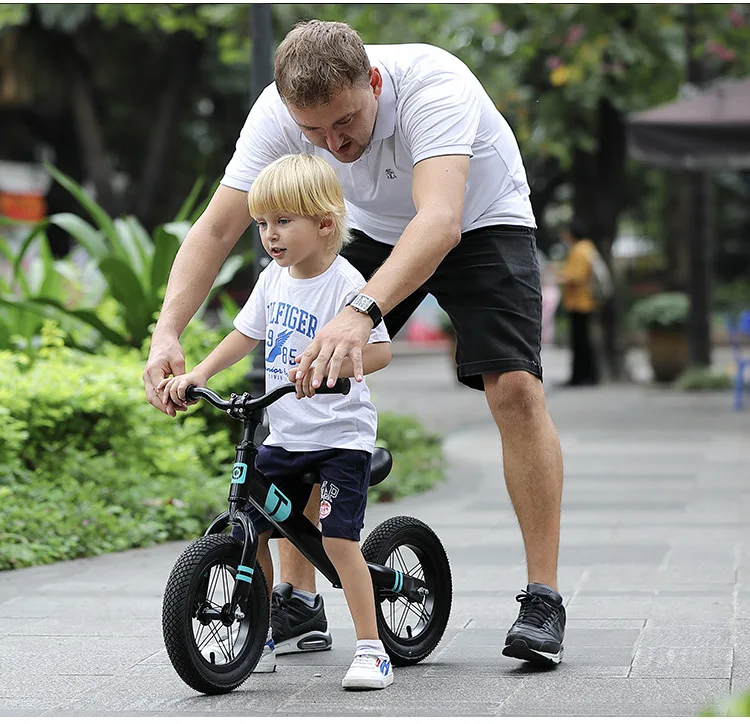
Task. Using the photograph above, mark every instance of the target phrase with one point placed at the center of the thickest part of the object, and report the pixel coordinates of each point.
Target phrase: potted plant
(664, 317)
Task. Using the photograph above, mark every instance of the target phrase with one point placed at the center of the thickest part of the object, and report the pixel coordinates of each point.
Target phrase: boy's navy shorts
(344, 480)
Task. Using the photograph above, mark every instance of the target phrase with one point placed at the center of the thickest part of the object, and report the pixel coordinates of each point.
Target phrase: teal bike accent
(243, 577)
(239, 473)
(277, 505)
(398, 582)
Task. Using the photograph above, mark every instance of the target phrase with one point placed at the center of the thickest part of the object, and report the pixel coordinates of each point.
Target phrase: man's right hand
(166, 358)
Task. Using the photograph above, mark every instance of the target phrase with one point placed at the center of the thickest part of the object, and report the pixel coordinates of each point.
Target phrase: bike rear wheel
(209, 655)
(411, 631)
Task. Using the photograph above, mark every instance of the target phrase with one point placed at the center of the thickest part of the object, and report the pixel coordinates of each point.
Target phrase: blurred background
(139, 106)
(117, 121)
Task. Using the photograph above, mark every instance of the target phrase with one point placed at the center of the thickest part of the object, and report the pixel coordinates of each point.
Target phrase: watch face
(360, 303)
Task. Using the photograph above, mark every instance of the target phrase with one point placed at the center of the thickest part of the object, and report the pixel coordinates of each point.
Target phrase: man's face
(344, 126)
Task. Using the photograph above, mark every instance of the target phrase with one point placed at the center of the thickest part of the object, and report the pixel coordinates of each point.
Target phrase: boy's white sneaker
(369, 671)
(267, 661)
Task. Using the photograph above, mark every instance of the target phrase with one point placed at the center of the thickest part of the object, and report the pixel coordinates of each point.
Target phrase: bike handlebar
(247, 404)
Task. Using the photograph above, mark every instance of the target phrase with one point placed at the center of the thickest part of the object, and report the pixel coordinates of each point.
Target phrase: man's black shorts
(490, 287)
(344, 480)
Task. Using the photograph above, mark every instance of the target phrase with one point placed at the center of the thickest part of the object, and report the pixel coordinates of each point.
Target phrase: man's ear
(376, 81)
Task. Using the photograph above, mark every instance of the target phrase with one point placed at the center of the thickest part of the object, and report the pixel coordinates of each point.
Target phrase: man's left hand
(344, 337)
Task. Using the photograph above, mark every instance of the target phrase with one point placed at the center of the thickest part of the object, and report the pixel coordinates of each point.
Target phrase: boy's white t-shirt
(286, 313)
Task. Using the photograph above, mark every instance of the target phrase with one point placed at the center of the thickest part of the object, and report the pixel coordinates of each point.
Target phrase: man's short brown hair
(316, 60)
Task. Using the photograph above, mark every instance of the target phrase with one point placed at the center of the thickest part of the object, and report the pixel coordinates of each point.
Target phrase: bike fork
(246, 568)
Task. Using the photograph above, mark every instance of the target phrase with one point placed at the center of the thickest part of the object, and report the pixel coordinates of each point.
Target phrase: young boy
(299, 207)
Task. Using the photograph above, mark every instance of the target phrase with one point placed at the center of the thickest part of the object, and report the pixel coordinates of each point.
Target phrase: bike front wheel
(410, 631)
(213, 656)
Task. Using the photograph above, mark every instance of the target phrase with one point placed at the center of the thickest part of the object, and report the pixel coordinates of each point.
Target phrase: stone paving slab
(655, 571)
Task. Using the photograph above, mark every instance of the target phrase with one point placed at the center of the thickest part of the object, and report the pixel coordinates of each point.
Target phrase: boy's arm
(375, 356)
(229, 351)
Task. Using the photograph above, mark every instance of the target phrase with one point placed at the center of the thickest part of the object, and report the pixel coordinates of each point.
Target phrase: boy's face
(296, 241)
(344, 126)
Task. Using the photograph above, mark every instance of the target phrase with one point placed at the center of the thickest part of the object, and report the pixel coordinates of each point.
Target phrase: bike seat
(382, 462)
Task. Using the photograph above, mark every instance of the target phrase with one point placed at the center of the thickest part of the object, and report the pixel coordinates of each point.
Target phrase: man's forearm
(200, 257)
(425, 242)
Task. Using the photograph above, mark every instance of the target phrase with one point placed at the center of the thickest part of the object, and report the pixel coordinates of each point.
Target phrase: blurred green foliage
(112, 292)
(88, 467)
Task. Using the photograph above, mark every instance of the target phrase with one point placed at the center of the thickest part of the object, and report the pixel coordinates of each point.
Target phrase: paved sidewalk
(654, 567)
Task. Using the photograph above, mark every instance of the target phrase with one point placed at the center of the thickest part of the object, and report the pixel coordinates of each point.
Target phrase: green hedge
(88, 467)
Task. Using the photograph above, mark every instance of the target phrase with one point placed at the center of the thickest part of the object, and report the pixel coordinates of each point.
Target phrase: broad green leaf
(85, 279)
(26, 245)
(28, 316)
(130, 248)
(87, 316)
(6, 251)
(126, 288)
(187, 206)
(100, 217)
(167, 245)
(52, 283)
(83, 232)
(230, 267)
(142, 237)
(178, 228)
(203, 204)
(7, 221)
(230, 307)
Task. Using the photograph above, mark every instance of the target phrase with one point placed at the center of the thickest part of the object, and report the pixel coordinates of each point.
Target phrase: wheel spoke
(225, 583)
(402, 620)
(418, 610)
(207, 634)
(216, 630)
(402, 563)
(417, 571)
(211, 587)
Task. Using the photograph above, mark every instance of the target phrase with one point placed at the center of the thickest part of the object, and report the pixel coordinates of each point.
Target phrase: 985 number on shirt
(277, 349)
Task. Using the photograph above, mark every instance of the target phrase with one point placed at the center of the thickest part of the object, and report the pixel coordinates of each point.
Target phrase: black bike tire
(177, 616)
(384, 539)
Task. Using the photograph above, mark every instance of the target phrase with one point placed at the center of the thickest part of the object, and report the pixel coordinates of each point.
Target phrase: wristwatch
(367, 305)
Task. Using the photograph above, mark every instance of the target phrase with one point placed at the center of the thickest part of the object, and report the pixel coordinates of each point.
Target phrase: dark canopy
(709, 131)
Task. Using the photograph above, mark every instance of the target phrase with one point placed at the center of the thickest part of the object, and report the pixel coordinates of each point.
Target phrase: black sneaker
(537, 635)
(297, 627)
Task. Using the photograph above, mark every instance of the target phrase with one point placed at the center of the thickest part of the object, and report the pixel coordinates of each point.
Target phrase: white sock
(370, 646)
(304, 596)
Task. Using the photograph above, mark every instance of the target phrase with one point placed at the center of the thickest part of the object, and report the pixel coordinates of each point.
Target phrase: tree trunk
(543, 186)
(91, 138)
(701, 257)
(184, 61)
(677, 228)
(598, 197)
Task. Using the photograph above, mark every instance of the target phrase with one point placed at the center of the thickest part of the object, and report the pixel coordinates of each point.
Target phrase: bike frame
(249, 485)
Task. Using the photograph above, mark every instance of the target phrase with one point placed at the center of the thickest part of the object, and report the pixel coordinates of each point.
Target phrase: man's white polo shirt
(431, 105)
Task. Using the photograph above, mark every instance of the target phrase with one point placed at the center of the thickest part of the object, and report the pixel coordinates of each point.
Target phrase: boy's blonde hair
(305, 186)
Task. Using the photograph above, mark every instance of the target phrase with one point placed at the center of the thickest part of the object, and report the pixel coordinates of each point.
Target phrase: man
(437, 195)
(578, 301)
